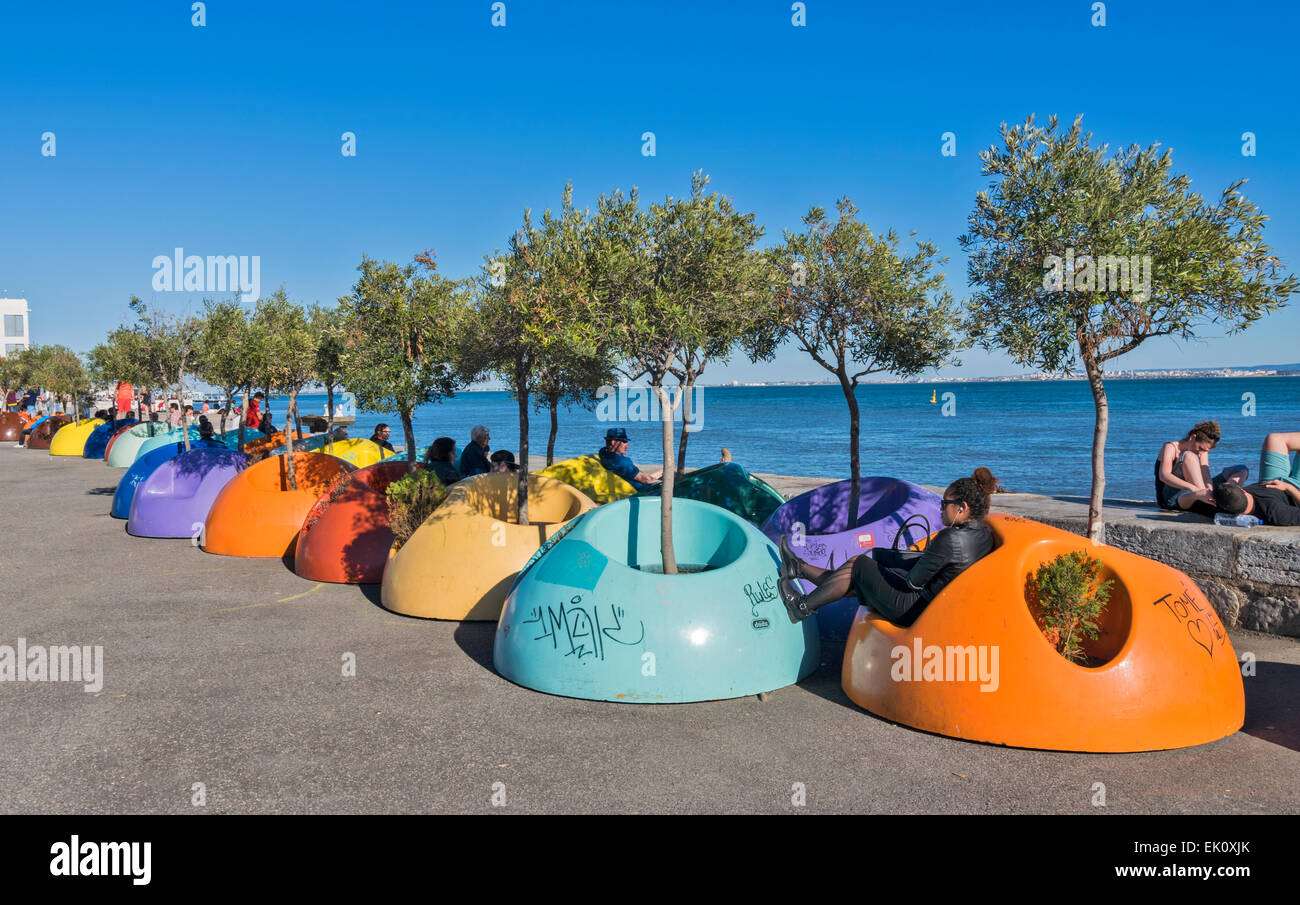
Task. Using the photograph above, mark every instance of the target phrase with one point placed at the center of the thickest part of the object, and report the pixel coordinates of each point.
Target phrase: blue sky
(225, 139)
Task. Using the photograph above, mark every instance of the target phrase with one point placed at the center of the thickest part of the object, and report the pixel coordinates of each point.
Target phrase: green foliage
(286, 342)
(1070, 599)
(401, 331)
(855, 303)
(1053, 191)
(230, 355)
(411, 500)
(57, 369)
(15, 372)
(331, 343)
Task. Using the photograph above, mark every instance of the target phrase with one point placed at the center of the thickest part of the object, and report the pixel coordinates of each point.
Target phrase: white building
(14, 336)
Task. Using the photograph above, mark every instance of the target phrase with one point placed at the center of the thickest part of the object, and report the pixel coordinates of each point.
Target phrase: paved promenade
(227, 672)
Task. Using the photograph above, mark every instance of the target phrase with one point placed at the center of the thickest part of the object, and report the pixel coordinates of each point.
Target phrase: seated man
(613, 455)
(474, 458)
(897, 584)
(380, 436)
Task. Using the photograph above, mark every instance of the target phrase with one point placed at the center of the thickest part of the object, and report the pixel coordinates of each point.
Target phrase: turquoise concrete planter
(127, 447)
(591, 617)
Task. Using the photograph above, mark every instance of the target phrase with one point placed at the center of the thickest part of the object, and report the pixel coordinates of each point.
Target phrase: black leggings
(886, 591)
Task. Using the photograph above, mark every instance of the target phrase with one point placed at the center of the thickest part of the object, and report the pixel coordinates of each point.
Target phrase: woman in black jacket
(897, 584)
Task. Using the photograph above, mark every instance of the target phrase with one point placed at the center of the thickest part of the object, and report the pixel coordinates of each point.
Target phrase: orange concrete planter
(256, 514)
(1169, 679)
(345, 538)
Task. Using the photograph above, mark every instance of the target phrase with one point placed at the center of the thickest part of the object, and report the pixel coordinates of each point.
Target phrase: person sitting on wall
(205, 428)
(1182, 471)
(266, 425)
(502, 460)
(1275, 500)
(474, 458)
(380, 436)
(439, 457)
(613, 455)
(898, 584)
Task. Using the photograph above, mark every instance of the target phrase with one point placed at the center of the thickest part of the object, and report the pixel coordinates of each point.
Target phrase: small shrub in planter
(412, 500)
(1070, 599)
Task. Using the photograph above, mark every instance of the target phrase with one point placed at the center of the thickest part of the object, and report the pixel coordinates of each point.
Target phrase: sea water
(1036, 436)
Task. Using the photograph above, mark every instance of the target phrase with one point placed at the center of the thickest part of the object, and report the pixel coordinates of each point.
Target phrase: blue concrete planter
(97, 442)
(592, 617)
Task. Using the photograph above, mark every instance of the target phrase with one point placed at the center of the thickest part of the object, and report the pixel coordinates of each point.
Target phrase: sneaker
(793, 597)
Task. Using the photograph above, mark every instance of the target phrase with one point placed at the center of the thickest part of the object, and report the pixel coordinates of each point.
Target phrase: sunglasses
(947, 502)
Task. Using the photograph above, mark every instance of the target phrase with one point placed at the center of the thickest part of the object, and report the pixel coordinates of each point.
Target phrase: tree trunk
(180, 401)
(329, 408)
(1096, 527)
(666, 409)
(243, 418)
(289, 438)
(408, 430)
(523, 454)
(555, 426)
(688, 393)
(855, 462)
(293, 406)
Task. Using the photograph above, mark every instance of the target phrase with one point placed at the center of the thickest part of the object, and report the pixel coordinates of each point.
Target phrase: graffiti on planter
(760, 592)
(579, 630)
(1203, 626)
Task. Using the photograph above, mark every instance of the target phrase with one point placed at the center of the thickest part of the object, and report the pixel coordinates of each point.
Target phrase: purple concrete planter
(884, 504)
(174, 500)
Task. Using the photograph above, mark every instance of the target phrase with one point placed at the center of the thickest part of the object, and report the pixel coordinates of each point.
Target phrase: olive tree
(401, 326)
(535, 321)
(289, 358)
(1076, 251)
(857, 305)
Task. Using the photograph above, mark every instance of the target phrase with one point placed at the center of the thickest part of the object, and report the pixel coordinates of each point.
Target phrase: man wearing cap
(614, 457)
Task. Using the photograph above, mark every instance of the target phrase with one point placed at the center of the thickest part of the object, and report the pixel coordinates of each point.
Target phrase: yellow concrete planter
(591, 478)
(461, 562)
(359, 452)
(71, 440)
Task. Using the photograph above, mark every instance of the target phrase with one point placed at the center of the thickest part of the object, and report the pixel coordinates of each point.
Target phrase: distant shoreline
(1025, 378)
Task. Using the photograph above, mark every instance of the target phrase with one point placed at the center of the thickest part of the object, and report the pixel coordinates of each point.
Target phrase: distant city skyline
(130, 132)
